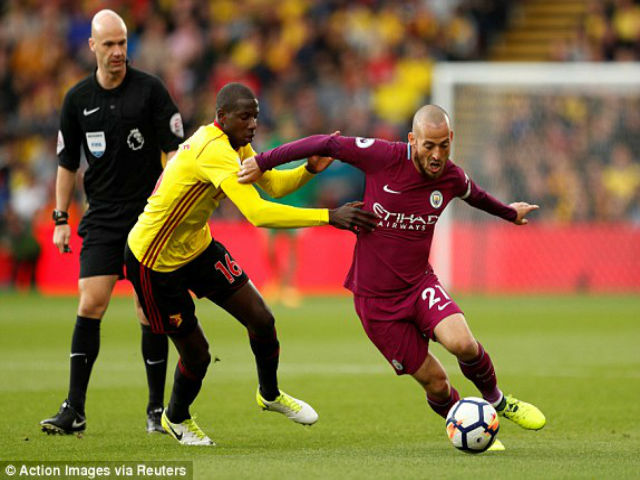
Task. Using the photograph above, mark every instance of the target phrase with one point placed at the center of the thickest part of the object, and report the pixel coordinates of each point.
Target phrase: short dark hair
(228, 96)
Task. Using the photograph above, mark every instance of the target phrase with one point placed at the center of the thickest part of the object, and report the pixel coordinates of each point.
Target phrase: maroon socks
(481, 372)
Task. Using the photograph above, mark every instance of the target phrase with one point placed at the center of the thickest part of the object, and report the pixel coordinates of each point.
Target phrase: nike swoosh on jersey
(89, 112)
(442, 307)
(388, 190)
(77, 355)
(153, 362)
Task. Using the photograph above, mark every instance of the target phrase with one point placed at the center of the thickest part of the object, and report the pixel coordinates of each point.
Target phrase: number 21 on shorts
(433, 297)
(231, 270)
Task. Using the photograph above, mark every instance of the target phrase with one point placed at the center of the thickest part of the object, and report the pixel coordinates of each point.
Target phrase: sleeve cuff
(261, 161)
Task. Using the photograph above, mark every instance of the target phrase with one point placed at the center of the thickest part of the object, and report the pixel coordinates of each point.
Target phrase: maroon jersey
(395, 256)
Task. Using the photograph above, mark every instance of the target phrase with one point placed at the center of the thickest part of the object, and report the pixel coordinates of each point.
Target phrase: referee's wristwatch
(60, 217)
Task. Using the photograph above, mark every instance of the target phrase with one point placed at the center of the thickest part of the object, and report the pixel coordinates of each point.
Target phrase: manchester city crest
(436, 199)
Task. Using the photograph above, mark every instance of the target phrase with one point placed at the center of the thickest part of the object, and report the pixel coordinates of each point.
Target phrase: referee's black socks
(85, 345)
(155, 349)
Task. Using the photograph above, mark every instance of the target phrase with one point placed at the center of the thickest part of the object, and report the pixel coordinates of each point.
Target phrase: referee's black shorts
(104, 229)
(165, 296)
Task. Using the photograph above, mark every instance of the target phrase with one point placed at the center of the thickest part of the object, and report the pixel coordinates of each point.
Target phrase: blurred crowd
(609, 31)
(317, 66)
(358, 66)
(576, 155)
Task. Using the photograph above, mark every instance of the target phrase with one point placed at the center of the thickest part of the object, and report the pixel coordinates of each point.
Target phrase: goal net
(563, 136)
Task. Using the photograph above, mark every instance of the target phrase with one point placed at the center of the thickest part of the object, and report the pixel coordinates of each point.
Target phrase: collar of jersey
(217, 125)
(119, 87)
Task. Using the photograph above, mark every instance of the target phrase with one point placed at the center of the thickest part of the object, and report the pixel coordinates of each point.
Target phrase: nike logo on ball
(89, 112)
(388, 190)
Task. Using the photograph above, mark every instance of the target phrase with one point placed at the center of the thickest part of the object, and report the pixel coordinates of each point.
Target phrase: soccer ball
(472, 425)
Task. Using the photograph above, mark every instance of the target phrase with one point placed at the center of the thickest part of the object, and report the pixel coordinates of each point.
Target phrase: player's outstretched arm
(478, 198)
(522, 209)
(250, 173)
(262, 213)
(320, 145)
(314, 148)
(279, 183)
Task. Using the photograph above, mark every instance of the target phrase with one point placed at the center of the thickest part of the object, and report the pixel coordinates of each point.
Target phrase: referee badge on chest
(135, 140)
(97, 143)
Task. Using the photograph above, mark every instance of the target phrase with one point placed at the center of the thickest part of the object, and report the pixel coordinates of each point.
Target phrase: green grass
(577, 358)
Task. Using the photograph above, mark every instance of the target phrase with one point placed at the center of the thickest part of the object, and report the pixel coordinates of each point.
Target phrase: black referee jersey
(122, 132)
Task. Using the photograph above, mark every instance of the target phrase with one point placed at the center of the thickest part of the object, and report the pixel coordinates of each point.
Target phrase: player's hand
(350, 216)
(249, 171)
(61, 237)
(317, 164)
(523, 209)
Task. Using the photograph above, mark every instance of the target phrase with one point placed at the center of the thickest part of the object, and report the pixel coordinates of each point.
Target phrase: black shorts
(102, 252)
(104, 229)
(165, 296)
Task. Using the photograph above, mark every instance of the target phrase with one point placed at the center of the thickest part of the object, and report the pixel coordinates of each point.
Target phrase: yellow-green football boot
(522, 413)
(187, 432)
(292, 408)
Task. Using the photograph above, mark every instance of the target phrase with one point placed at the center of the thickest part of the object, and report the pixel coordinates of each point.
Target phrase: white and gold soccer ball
(472, 425)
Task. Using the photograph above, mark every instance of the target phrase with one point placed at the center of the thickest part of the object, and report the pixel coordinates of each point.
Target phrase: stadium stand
(356, 66)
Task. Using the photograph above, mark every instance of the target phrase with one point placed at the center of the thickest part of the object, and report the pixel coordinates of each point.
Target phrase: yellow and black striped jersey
(173, 228)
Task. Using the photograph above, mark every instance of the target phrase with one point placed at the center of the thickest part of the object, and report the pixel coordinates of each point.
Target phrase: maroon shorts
(401, 326)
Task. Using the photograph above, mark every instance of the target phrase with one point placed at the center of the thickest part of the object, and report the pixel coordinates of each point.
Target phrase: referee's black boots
(154, 420)
(65, 422)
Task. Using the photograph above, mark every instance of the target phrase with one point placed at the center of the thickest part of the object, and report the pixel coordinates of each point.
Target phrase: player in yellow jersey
(170, 252)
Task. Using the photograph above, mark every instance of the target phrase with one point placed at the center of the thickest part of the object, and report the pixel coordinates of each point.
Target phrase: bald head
(430, 115)
(107, 21)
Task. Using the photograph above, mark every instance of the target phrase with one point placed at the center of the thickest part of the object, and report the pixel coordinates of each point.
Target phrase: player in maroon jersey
(397, 296)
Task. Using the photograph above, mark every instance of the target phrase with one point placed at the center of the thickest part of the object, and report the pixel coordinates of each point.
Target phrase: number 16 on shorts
(231, 270)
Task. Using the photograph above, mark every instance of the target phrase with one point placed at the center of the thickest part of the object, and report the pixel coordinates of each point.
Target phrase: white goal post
(477, 92)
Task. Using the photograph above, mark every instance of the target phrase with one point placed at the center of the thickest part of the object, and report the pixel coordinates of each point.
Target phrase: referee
(121, 118)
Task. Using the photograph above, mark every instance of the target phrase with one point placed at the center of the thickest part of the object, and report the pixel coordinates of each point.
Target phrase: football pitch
(576, 357)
